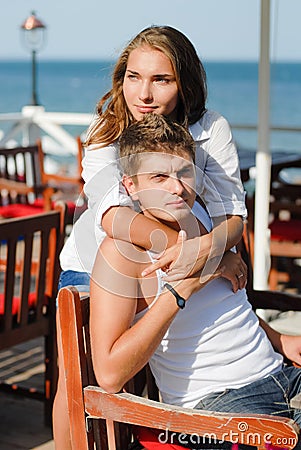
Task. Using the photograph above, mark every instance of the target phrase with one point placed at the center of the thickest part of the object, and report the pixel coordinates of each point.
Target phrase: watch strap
(181, 302)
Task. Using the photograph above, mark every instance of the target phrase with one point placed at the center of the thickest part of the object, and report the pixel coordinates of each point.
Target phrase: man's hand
(291, 348)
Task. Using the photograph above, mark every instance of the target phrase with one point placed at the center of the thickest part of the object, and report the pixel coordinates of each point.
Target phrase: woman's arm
(124, 223)
(190, 256)
(112, 206)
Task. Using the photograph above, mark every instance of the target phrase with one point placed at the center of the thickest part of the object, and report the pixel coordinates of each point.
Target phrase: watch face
(181, 302)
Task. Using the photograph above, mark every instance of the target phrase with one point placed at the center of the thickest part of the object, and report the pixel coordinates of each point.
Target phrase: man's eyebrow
(154, 171)
(189, 165)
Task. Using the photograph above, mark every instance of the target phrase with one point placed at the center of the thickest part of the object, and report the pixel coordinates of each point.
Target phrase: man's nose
(176, 186)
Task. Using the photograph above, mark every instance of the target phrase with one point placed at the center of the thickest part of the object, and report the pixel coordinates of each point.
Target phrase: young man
(204, 343)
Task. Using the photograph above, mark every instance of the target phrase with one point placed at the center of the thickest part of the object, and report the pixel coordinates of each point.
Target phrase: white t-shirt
(218, 184)
(214, 343)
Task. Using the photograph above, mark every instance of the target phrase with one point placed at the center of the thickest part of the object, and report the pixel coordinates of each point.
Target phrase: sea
(76, 86)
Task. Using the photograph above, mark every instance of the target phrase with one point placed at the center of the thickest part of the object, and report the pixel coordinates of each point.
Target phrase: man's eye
(159, 176)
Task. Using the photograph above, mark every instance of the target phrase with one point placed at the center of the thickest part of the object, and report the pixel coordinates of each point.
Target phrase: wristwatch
(181, 302)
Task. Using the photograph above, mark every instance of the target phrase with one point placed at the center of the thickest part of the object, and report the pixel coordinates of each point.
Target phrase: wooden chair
(285, 241)
(26, 187)
(285, 225)
(29, 271)
(66, 187)
(115, 421)
(265, 299)
(20, 182)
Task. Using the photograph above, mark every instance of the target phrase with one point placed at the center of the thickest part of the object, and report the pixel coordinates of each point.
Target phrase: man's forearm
(273, 335)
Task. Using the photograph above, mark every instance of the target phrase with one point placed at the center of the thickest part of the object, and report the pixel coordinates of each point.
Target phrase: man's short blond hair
(154, 133)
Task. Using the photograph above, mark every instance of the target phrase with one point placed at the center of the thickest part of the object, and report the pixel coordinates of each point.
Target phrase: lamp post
(33, 32)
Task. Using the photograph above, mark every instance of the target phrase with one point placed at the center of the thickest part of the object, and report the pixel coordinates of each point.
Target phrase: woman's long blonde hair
(113, 115)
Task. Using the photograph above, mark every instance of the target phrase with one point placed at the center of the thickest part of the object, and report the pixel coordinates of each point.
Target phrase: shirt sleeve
(219, 183)
(102, 177)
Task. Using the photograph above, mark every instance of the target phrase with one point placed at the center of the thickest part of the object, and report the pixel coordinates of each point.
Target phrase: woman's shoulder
(208, 124)
(96, 148)
(212, 117)
(95, 153)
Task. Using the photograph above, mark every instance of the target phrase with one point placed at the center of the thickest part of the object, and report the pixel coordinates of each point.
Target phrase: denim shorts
(80, 280)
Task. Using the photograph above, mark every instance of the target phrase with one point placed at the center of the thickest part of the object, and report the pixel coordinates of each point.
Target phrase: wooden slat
(140, 411)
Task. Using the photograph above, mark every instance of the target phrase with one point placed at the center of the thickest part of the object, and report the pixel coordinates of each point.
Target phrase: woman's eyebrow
(157, 75)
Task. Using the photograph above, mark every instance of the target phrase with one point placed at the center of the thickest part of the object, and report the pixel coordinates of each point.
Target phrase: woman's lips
(145, 109)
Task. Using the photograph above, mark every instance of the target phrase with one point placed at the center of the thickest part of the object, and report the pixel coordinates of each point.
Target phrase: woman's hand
(194, 282)
(182, 259)
(187, 257)
(235, 270)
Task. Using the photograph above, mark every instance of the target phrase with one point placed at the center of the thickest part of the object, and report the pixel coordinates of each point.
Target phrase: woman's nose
(145, 93)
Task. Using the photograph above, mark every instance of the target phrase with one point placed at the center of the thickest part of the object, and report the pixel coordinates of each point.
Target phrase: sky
(96, 29)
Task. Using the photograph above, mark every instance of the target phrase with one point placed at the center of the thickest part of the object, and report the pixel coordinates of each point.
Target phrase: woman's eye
(162, 80)
(132, 77)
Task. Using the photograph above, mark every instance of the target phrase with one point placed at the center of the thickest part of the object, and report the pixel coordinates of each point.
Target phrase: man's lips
(177, 203)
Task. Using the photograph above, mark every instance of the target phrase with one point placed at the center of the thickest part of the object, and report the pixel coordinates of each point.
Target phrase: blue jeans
(270, 395)
(80, 280)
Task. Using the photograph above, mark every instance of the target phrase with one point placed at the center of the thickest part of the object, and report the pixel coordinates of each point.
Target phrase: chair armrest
(280, 301)
(16, 186)
(140, 411)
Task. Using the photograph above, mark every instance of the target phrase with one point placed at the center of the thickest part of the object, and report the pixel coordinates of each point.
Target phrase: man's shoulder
(123, 253)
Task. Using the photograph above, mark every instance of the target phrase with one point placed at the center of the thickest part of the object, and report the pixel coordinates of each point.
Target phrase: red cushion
(149, 438)
(39, 202)
(286, 230)
(19, 210)
(16, 303)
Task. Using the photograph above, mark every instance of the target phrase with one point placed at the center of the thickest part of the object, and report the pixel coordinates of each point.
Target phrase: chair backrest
(29, 269)
(117, 413)
(67, 187)
(264, 299)
(20, 179)
(73, 314)
(62, 180)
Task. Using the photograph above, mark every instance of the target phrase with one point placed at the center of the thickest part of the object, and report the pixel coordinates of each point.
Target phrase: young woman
(158, 71)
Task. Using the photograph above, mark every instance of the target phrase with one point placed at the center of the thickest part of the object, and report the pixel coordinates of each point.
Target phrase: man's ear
(130, 186)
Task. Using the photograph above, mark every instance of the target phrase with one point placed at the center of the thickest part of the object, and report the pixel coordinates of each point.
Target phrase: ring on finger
(240, 275)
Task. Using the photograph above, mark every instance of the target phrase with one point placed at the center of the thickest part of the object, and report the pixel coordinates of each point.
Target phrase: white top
(218, 184)
(214, 343)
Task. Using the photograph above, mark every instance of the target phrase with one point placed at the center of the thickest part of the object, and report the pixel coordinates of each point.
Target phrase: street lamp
(33, 32)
